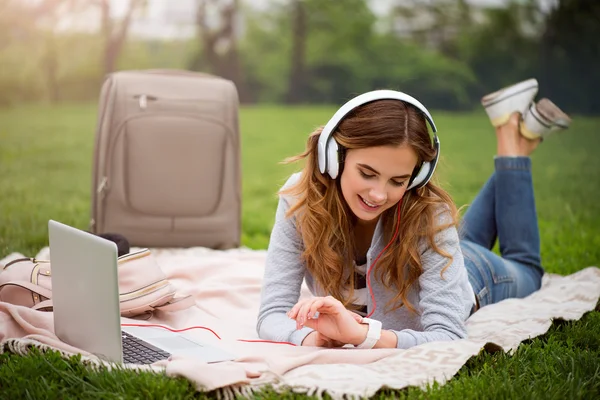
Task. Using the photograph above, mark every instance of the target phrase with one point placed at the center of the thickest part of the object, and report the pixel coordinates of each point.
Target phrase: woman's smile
(367, 205)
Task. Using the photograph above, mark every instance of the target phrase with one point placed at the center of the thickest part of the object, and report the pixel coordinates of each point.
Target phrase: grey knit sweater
(443, 303)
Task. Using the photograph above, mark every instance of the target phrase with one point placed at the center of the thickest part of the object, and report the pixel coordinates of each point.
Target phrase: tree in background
(569, 56)
(559, 46)
(339, 49)
(297, 76)
(114, 31)
(502, 49)
(433, 24)
(265, 49)
(339, 62)
(217, 52)
(33, 27)
(42, 61)
(446, 53)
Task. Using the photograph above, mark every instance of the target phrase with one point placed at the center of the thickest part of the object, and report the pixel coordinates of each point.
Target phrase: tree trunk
(115, 34)
(297, 77)
(50, 66)
(219, 53)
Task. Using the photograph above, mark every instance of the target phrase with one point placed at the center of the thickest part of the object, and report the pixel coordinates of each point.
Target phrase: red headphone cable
(288, 343)
(205, 328)
(377, 258)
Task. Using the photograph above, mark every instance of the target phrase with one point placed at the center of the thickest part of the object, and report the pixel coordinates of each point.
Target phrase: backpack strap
(45, 305)
(29, 286)
(175, 304)
(18, 260)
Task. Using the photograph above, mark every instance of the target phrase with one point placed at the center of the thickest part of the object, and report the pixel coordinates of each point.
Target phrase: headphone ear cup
(422, 177)
(427, 168)
(333, 161)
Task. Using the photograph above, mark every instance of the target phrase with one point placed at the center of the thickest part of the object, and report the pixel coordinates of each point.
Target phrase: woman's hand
(335, 324)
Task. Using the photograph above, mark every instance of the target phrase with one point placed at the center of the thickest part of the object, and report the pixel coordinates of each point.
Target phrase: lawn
(45, 172)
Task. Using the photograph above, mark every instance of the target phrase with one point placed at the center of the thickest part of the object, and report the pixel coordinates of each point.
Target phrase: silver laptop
(85, 296)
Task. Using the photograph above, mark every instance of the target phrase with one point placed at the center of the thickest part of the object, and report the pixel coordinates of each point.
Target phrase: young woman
(378, 242)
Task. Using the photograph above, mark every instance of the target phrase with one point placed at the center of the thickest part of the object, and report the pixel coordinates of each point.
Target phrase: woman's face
(375, 179)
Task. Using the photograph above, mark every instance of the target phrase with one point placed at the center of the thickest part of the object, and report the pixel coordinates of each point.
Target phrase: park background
(294, 62)
(448, 53)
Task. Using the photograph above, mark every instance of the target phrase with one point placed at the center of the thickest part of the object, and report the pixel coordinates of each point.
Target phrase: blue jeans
(503, 209)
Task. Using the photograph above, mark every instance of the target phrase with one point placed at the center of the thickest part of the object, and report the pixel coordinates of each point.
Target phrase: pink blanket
(226, 287)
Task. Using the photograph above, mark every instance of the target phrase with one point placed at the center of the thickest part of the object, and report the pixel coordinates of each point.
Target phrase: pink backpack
(143, 286)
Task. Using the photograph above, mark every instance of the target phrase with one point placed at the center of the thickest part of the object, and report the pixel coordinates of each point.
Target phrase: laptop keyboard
(137, 351)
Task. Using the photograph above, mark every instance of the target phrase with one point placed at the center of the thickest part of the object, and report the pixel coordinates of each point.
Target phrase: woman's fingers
(314, 308)
(303, 312)
(306, 309)
(293, 313)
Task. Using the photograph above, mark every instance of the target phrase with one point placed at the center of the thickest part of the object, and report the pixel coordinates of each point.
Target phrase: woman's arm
(284, 273)
(445, 298)
(444, 304)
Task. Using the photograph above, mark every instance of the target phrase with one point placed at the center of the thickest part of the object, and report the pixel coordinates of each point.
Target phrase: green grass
(45, 172)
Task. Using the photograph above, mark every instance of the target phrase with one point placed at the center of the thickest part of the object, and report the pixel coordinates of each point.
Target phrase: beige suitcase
(167, 160)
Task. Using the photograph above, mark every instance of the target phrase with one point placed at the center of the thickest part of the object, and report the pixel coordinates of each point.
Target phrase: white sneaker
(542, 119)
(502, 103)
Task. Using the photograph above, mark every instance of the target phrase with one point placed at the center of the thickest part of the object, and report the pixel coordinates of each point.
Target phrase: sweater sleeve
(443, 299)
(284, 273)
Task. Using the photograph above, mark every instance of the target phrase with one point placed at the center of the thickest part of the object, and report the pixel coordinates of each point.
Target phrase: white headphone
(328, 149)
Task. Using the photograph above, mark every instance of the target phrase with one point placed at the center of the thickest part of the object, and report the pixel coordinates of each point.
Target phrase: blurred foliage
(346, 55)
(569, 55)
(446, 53)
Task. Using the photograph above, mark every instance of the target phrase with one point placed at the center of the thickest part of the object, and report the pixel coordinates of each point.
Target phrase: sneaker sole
(543, 118)
(501, 99)
(551, 112)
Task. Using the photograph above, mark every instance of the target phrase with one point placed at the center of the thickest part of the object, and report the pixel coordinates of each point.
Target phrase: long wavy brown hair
(326, 223)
